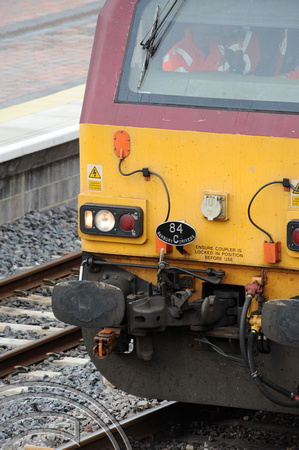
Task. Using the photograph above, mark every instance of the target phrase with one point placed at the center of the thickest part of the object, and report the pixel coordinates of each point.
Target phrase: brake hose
(242, 327)
(260, 380)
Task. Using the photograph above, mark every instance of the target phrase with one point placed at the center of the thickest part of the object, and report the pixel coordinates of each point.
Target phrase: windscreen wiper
(149, 43)
(156, 34)
(148, 48)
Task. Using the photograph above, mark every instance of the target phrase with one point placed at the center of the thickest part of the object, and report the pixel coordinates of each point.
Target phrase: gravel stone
(39, 237)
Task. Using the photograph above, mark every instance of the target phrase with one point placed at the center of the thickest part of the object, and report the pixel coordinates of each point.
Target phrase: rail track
(129, 431)
(169, 424)
(196, 427)
(14, 290)
(28, 294)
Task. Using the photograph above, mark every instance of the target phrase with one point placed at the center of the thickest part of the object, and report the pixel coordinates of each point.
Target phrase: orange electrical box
(272, 252)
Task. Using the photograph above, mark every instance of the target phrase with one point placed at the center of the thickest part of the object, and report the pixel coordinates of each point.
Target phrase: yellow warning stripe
(43, 103)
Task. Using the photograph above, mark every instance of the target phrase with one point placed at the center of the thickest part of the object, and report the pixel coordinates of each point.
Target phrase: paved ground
(45, 46)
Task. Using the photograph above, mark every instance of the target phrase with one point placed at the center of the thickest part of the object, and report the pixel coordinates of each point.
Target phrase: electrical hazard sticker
(295, 194)
(95, 177)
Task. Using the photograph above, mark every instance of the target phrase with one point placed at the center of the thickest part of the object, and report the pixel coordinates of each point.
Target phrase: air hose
(243, 326)
(260, 380)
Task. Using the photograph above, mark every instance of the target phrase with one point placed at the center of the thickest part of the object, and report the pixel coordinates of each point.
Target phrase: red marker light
(295, 236)
(127, 222)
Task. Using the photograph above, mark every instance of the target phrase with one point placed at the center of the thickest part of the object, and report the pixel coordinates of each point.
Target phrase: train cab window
(234, 54)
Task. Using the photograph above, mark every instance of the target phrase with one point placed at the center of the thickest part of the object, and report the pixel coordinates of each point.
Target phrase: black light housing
(293, 235)
(111, 220)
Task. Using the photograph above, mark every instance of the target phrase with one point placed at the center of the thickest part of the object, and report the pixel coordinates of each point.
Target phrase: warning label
(95, 177)
(218, 253)
(295, 194)
(295, 201)
(94, 173)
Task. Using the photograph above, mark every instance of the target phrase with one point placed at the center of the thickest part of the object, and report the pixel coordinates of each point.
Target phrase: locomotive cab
(189, 202)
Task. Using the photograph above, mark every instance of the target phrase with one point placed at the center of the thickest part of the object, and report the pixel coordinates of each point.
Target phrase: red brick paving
(35, 64)
(13, 11)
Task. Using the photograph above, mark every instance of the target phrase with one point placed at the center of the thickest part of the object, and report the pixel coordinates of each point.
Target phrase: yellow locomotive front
(189, 203)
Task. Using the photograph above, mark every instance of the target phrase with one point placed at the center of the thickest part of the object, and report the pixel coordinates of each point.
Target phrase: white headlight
(104, 221)
(88, 219)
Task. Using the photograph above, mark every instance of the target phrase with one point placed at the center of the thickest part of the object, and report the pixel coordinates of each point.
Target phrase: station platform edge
(40, 124)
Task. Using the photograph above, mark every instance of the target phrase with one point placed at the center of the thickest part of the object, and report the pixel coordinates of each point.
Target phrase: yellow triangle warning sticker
(94, 173)
(95, 177)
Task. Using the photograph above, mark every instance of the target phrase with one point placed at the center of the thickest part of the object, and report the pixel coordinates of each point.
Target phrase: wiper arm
(149, 44)
(148, 48)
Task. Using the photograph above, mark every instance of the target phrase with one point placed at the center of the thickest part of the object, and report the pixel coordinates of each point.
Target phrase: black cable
(167, 193)
(150, 173)
(127, 174)
(250, 203)
(204, 340)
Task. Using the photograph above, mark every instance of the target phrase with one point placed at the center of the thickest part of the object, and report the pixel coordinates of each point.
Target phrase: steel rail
(62, 340)
(37, 351)
(34, 277)
(137, 427)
